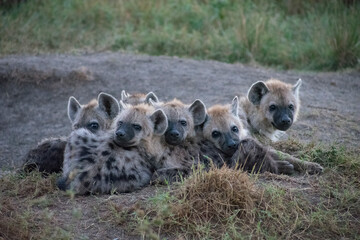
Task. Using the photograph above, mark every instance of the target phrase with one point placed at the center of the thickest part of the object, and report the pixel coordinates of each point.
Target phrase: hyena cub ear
(151, 98)
(124, 95)
(198, 112)
(296, 88)
(256, 92)
(109, 105)
(122, 105)
(160, 122)
(235, 106)
(73, 108)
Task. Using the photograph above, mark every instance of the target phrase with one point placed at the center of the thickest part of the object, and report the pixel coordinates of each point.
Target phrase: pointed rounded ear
(73, 108)
(109, 105)
(160, 122)
(152, 103)
(198, 111)
(296, 88)
(151, 96)
(122, 105)
(235, 106)
(256, 92)
(124, 95)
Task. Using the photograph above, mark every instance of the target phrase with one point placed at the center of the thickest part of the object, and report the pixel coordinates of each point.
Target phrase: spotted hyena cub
(117, 160)
(96, 116)
(271, 107)
(178, 143)
(223, 129)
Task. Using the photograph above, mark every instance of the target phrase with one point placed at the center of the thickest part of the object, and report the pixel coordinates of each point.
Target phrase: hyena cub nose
(231, 145)
(124, 133)
(173, 136)
(282, 118)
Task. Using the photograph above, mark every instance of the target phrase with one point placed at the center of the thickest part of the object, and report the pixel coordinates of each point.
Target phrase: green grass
(293, 34)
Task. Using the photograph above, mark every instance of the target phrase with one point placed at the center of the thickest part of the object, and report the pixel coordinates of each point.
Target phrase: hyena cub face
(182, 120)
(223, 127)
(133, 124)
(96, 116)
(276, 101)
(138, 98)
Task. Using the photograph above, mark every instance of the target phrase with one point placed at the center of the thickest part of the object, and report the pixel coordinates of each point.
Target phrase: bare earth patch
(34, 94)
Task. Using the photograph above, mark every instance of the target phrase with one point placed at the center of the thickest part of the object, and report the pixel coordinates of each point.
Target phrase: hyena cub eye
(215, 134)
(93, 126)
(137, 127)
(272, 107)
(291, 107)
(235, 129)
(183, 122)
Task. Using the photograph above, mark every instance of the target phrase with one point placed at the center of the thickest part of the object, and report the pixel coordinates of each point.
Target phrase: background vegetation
(309, 34)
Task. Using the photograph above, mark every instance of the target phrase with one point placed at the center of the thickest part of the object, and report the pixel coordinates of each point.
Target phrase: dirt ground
(34, 91)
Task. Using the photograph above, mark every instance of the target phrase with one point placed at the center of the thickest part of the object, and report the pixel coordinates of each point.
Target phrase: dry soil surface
(34, 91)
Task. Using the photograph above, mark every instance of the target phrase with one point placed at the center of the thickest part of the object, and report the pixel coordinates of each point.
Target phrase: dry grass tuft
(31, 185)
(215, 195)
(208, 203)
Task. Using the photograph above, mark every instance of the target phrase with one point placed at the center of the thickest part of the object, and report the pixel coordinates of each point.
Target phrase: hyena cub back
(223, 128)
(96, 116)
(271, 107)
(116, 161)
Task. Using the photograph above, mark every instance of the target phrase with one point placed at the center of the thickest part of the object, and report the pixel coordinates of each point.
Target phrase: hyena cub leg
(81, 163)
(299, 165)
(169, 175)
(253, 157)
(47, 157)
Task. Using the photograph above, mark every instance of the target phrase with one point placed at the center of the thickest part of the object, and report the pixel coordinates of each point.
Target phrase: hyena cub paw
(284, 167)
(168, 175)
(313, 168)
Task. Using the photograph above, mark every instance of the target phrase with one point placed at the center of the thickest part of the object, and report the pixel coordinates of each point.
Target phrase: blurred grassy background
(287, 34)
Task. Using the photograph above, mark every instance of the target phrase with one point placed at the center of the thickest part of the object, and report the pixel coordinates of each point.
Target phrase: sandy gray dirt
(35, 90)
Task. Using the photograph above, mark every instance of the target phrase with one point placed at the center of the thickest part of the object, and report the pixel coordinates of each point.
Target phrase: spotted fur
(106, 163)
